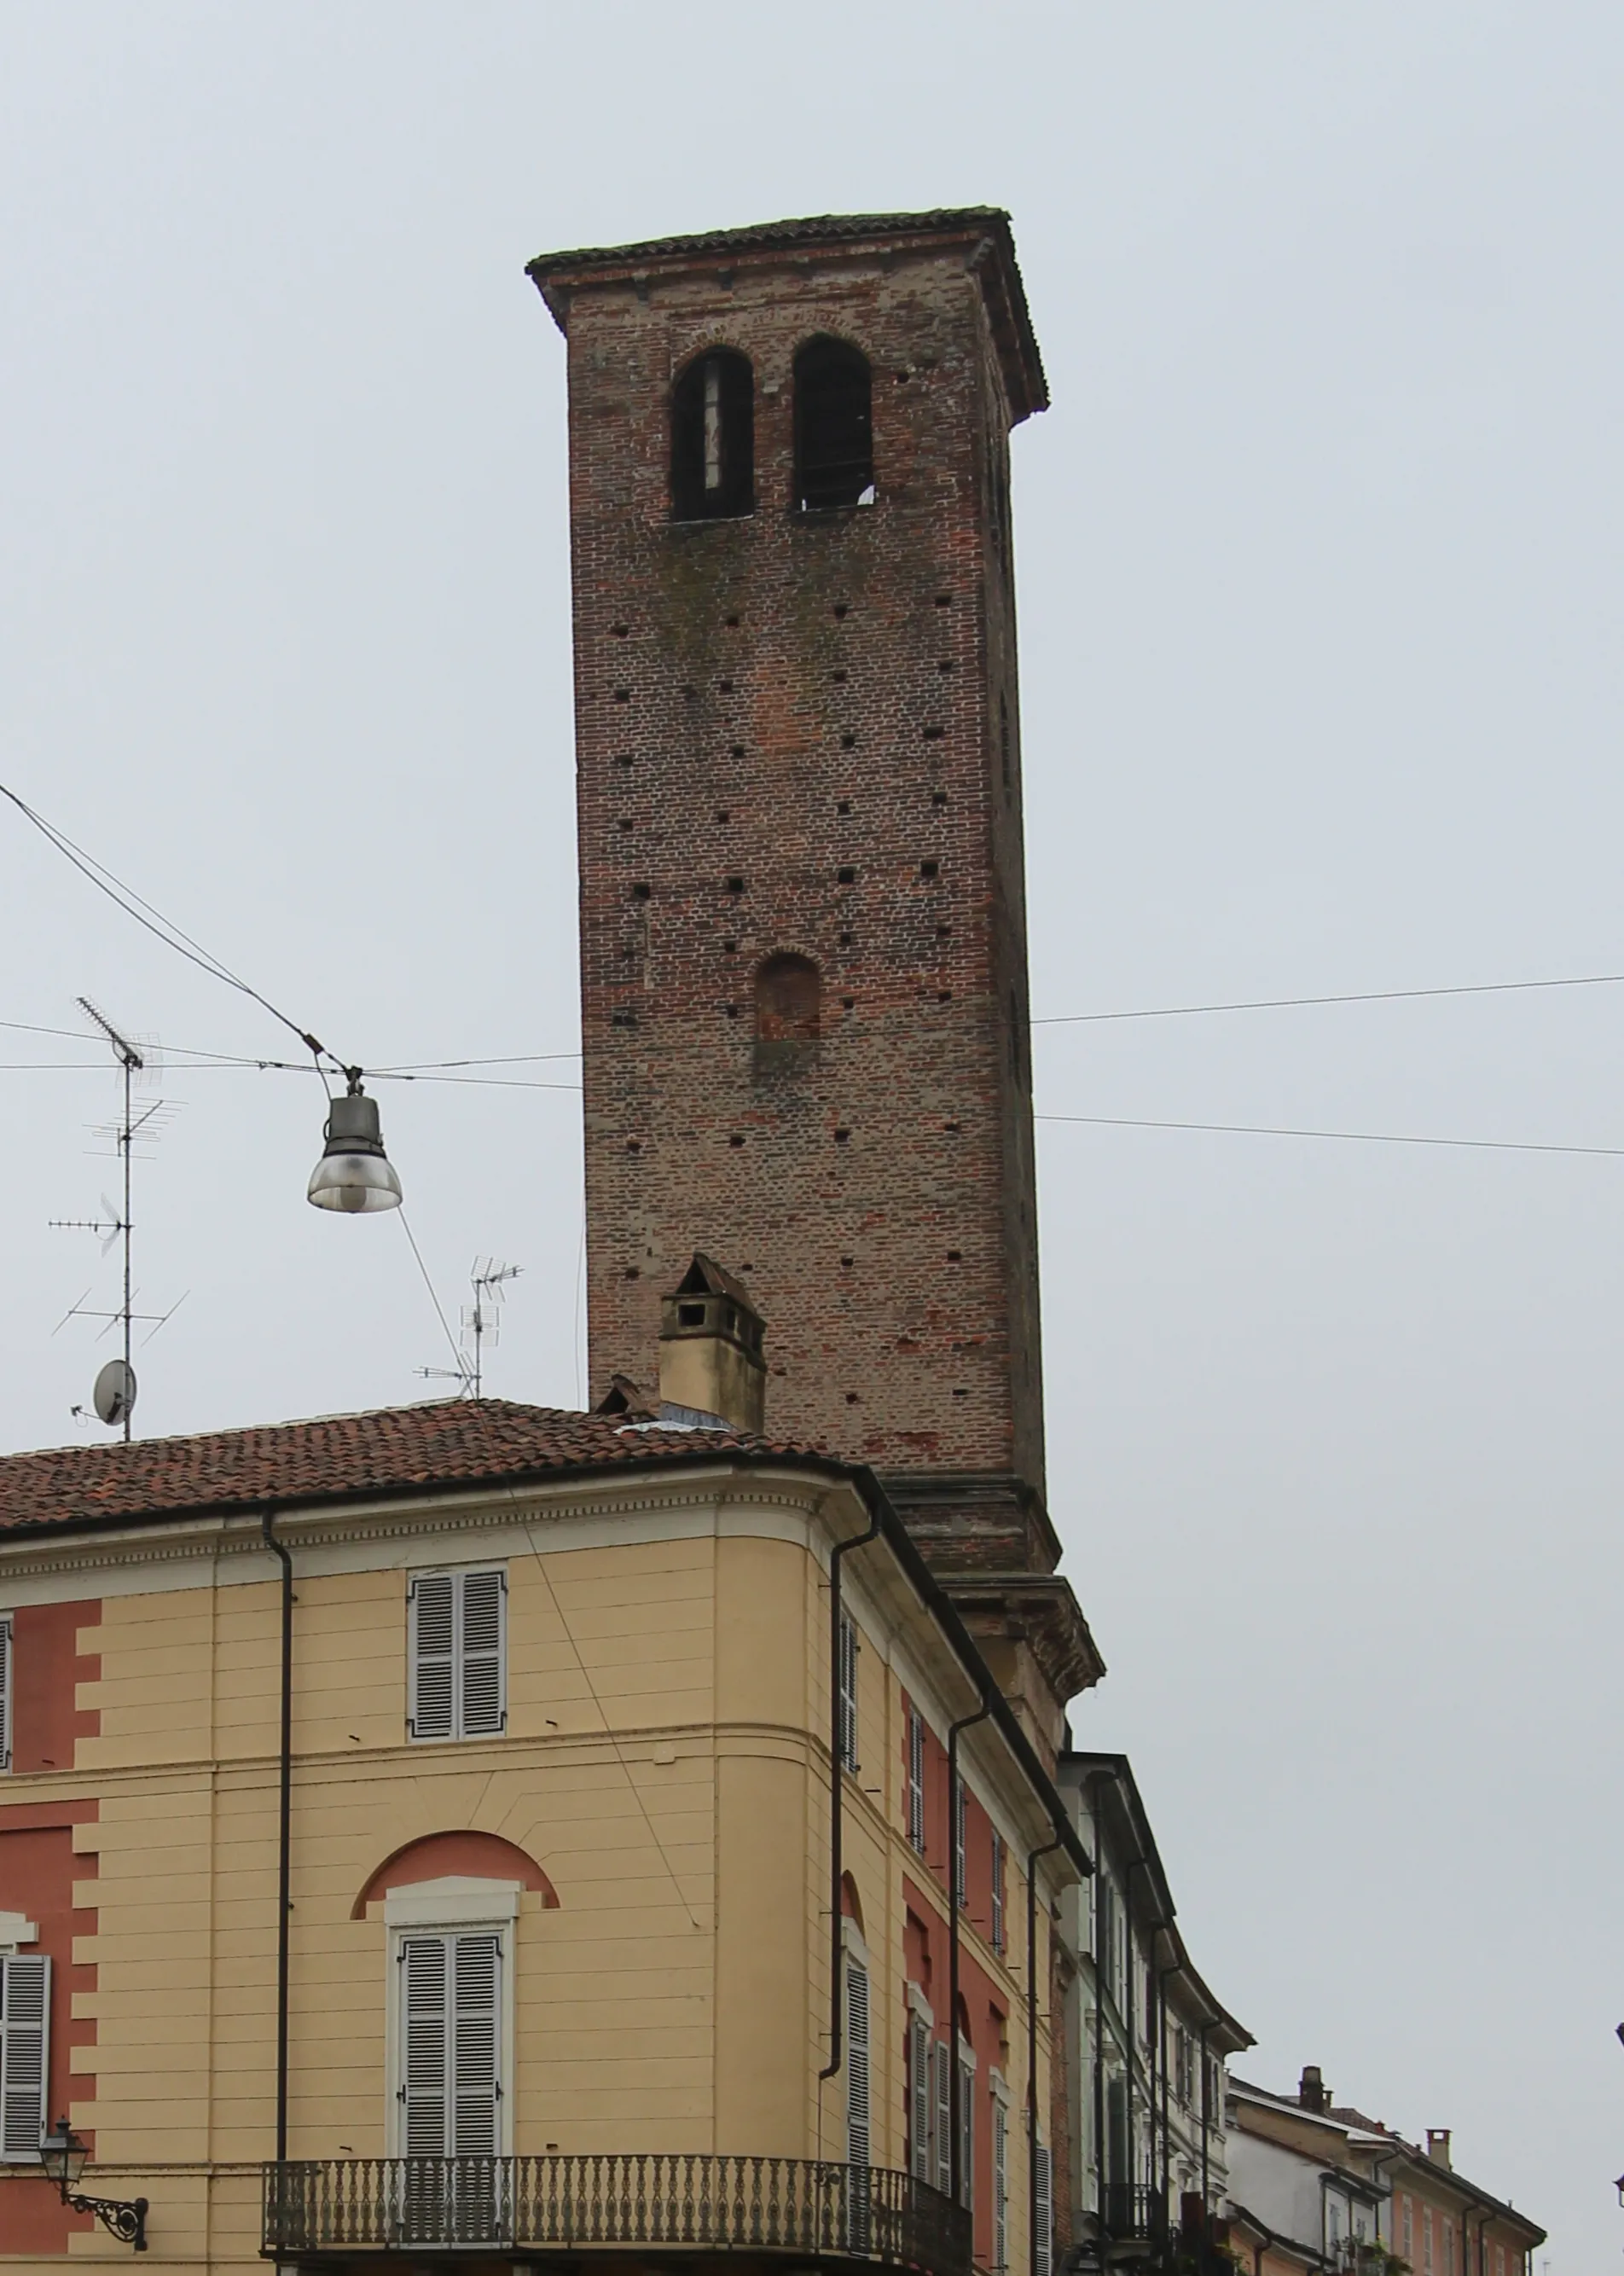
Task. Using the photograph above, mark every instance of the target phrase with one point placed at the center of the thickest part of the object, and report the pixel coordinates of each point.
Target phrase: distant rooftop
(390, 1450)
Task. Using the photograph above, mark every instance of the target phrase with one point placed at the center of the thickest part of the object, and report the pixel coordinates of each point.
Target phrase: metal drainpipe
(955, 2085)
(1033, 1856)
(284, 1827)
(837, 1772)
(1206, 2120)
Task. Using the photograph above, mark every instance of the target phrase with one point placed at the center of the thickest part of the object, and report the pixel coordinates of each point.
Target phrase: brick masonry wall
(761, 704)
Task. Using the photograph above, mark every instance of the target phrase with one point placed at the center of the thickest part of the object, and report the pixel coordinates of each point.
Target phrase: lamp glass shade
(353, 1183)
(353, 1174)
(63, 2155)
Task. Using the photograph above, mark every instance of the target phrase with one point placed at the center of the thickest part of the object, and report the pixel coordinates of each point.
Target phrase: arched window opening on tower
(834, 426)
(712, 438)
(789, 994)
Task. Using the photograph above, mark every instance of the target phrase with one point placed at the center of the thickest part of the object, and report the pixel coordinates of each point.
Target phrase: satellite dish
(114, 1395)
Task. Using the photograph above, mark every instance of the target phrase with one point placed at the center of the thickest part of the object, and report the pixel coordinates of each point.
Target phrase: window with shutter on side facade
(858, 2113)
(1042, 2243)
(967, 2125)
(1000, 2185)
(847, 1710)
(5, 1691)
(916, 1780)
(943, 2128)
(25, 2054)
(920, 2091)
(459, 1654)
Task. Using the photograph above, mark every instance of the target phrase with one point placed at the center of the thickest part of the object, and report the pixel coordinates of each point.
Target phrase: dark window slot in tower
(834, 426)
(712, 438)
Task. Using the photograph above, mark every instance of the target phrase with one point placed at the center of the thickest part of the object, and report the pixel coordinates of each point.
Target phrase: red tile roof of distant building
(391, 1450)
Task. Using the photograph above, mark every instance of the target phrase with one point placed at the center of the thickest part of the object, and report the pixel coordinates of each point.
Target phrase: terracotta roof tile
(393, 1449)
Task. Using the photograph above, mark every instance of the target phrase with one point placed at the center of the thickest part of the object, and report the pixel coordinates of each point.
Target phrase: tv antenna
(482, 1324)
(114, 1396)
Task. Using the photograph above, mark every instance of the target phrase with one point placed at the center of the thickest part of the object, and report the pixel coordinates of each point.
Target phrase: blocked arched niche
(850, 1903)
(437, 1856)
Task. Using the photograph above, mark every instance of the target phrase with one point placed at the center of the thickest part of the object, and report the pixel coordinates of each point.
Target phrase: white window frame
(7, 1654)
(916, 1781)
(921, 2087)
(458, 1905)
(455, 1659)
(846, 1706)
(25, 2051)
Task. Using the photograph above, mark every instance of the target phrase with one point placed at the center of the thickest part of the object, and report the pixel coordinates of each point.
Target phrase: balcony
(344, 2209)
(1134, 2213)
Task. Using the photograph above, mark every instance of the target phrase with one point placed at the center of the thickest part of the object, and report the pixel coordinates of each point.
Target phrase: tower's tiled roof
(815, 229)
(554, 274)
(391, 1450)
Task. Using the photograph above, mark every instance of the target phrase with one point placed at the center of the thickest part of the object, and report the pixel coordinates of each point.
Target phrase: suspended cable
(1364, 995)
(1356, 1137)
(153, 921)
(433, 1293)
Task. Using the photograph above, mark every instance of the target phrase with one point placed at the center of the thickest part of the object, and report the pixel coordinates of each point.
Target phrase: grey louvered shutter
(1042, 2243)
(5, 1691)
(433, 1656)
(944, 2119)
(25, 2053)
(857, 2104)
(476, 1973)
(1000, 2186)
(480, 1674)
(919, 2098)
(966, 2131)
(423, 2037)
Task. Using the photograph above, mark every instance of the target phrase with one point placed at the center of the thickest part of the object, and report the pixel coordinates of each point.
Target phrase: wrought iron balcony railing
(667, 2201)
(1134, 2213)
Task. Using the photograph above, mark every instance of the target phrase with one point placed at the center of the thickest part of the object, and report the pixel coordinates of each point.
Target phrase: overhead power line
(1362, 995)
(1351, 1137)
(161, 927)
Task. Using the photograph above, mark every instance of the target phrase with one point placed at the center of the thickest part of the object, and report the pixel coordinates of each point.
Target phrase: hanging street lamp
(63, 2155)
(353, 1174)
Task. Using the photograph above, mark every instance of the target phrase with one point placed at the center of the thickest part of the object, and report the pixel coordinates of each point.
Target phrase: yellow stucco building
(589, 1950)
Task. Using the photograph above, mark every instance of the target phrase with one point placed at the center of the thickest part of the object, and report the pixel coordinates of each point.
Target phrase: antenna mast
(119, 1224)
(482, 1324)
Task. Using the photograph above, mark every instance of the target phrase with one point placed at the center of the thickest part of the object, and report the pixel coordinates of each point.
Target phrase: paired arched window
(788, 1000)
(834, 426)
(713, 438)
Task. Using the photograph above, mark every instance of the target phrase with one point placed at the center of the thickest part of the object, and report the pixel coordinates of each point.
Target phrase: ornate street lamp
(63, 2155)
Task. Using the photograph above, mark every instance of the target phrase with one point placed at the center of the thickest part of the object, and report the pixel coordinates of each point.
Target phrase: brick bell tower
(802, 915)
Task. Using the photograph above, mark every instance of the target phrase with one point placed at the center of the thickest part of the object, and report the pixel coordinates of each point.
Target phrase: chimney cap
(1312, 2092)
(1437, 2145)
(709, 1301)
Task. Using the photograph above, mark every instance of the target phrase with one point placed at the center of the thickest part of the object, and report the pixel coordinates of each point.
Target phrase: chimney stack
(1437, 2147)
(711, 1366)
(1312, 2092)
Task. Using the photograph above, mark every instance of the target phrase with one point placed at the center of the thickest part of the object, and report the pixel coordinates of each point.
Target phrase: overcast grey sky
(1320, 565)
